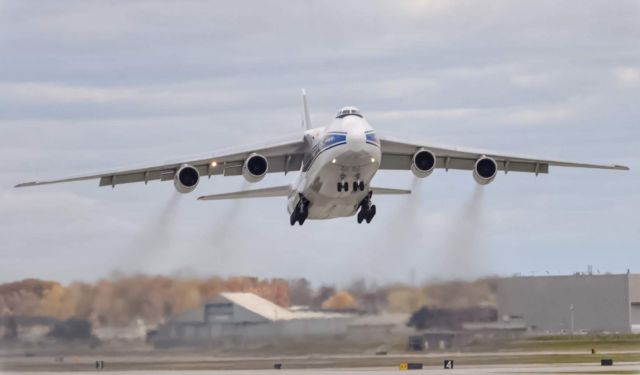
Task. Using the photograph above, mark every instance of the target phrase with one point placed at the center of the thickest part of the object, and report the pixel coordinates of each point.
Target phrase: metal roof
(259, 305)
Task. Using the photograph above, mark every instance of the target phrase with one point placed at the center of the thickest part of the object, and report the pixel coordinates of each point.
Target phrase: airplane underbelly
(340, 164)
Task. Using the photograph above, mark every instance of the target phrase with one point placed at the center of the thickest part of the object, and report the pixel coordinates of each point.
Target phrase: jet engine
(485, 170)
(255, 168)
(186, 179)
(424, 162)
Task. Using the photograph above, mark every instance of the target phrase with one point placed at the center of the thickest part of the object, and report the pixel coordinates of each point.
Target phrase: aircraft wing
(284, 191)
(389, 191)
(276, 191)
(284, 155)
(398, 154)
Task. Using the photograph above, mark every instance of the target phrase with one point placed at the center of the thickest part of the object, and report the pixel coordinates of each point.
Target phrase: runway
(544, 362)
(570, 368)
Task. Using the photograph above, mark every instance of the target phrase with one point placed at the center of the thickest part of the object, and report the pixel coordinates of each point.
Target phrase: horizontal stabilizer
(388, 191)
(276, 191)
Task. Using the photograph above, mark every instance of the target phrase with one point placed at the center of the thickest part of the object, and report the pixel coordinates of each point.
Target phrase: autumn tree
(341, 300)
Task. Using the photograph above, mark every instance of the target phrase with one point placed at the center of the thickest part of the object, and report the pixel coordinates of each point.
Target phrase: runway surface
(622, 368)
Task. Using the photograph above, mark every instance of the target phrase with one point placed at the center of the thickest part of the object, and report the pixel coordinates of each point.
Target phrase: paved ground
(569, 362)
(624, 368)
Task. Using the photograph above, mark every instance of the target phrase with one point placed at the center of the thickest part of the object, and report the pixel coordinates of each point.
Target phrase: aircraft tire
(371, 213)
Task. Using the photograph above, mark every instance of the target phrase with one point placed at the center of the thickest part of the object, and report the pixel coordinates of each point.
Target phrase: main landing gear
(367, 210)
(301, 212)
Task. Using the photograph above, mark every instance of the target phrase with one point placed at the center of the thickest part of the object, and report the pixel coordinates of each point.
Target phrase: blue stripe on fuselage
(331, 140)
(328, 142)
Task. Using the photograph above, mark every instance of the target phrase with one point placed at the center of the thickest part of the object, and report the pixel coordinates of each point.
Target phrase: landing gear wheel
(301, 212)
(367, 209)
(343, 186)
(361, 185)
(371, 213)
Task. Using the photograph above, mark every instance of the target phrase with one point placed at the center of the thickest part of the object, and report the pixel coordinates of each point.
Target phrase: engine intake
(186, 179)
(485, 170)
(255, 168)
(424, 162)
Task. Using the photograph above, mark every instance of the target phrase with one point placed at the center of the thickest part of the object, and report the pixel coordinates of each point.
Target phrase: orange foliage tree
(341, 300)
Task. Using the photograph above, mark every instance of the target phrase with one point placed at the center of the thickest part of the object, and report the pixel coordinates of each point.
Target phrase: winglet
(306, 119)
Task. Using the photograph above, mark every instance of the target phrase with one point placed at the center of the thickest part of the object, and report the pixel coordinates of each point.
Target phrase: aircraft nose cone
(356, 139)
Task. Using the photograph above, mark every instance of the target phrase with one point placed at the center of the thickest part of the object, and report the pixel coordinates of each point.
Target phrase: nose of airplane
(356, 138)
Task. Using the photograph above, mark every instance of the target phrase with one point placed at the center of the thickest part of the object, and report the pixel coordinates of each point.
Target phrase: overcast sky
(90, 85)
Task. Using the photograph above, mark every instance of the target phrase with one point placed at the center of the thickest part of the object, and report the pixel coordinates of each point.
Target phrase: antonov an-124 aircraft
(336, 164)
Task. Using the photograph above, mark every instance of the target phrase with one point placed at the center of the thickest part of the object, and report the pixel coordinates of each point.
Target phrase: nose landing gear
(343, 186)
(367, 210)
(301, 212)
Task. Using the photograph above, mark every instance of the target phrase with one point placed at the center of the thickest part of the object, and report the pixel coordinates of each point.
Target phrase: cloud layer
(88, 85)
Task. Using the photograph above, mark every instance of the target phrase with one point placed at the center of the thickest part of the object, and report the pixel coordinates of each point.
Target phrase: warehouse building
(244, 319)
(576, 303)
(378, 328)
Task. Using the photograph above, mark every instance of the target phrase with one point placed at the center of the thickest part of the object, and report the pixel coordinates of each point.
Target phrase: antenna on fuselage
(306, 120)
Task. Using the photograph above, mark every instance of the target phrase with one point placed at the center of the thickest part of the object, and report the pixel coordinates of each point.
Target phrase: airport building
(578, 303)
(245, 320)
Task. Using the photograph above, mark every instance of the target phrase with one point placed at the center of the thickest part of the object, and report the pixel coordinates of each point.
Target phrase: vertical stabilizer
(306, 120)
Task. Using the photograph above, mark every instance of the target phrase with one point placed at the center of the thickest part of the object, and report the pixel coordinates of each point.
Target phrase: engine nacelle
(424, 162)
(186, 179)
(255, 168)
(485, 170)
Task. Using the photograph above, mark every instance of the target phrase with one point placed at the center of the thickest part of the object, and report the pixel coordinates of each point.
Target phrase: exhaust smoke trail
(464, 242)
(155, 238)
(405, 221)
(220, 237)
(398, 238)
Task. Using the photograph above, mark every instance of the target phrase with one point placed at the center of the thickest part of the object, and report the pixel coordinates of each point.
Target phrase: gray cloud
(88, 85)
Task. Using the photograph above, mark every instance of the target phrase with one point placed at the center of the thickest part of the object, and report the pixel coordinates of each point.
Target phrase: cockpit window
(348, 111)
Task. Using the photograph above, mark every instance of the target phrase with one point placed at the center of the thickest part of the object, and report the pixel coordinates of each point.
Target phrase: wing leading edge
(397, 154)
(284, 155)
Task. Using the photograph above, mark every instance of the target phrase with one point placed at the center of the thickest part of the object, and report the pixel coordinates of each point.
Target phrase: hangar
(575, 303)
(245, 318)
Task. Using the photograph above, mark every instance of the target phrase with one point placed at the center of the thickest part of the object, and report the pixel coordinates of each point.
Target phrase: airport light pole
(572, 310)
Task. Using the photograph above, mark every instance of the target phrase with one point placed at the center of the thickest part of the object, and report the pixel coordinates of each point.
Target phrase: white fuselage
(345, 151)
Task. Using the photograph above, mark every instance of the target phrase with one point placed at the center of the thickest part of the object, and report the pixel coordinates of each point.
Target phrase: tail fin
(306, 120)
